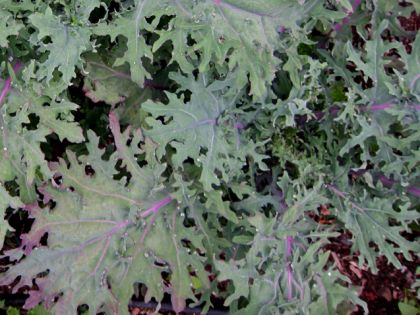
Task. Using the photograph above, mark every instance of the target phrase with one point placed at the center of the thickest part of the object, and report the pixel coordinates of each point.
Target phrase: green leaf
(21, 154)
(67, 44)
(38, 310)
(408, 309)
(12, 311)
(201, 132)
(214, 198)
(106, 84)
(8, 27)
(370, 223)
(84, 242)
(6, 201)
(412, 62)
(239, 278)
(372, 62)
(217, 32)
(129, 26)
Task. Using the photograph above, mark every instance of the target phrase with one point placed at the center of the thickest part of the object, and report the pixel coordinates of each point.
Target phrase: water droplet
(4, 149)
(146, 255)
(329, 274)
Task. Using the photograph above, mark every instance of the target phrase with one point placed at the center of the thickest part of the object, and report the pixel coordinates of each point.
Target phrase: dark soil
(382, 291)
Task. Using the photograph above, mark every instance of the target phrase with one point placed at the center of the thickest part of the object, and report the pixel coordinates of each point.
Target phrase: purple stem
(289, 282)
(387, 182)
(383, 106)
(414, 191)
(289, 244)
(340, 25)
(280, 196)
(111, 232)
(302, 119)
(8, 83)
(324, 292)
(156, 206)
(336, 191)
(413, 82)
(209, 121)
(239, 125)
(281, 29)
(376, 107)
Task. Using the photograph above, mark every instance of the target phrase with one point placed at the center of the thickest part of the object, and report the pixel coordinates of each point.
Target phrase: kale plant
(184, 148)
